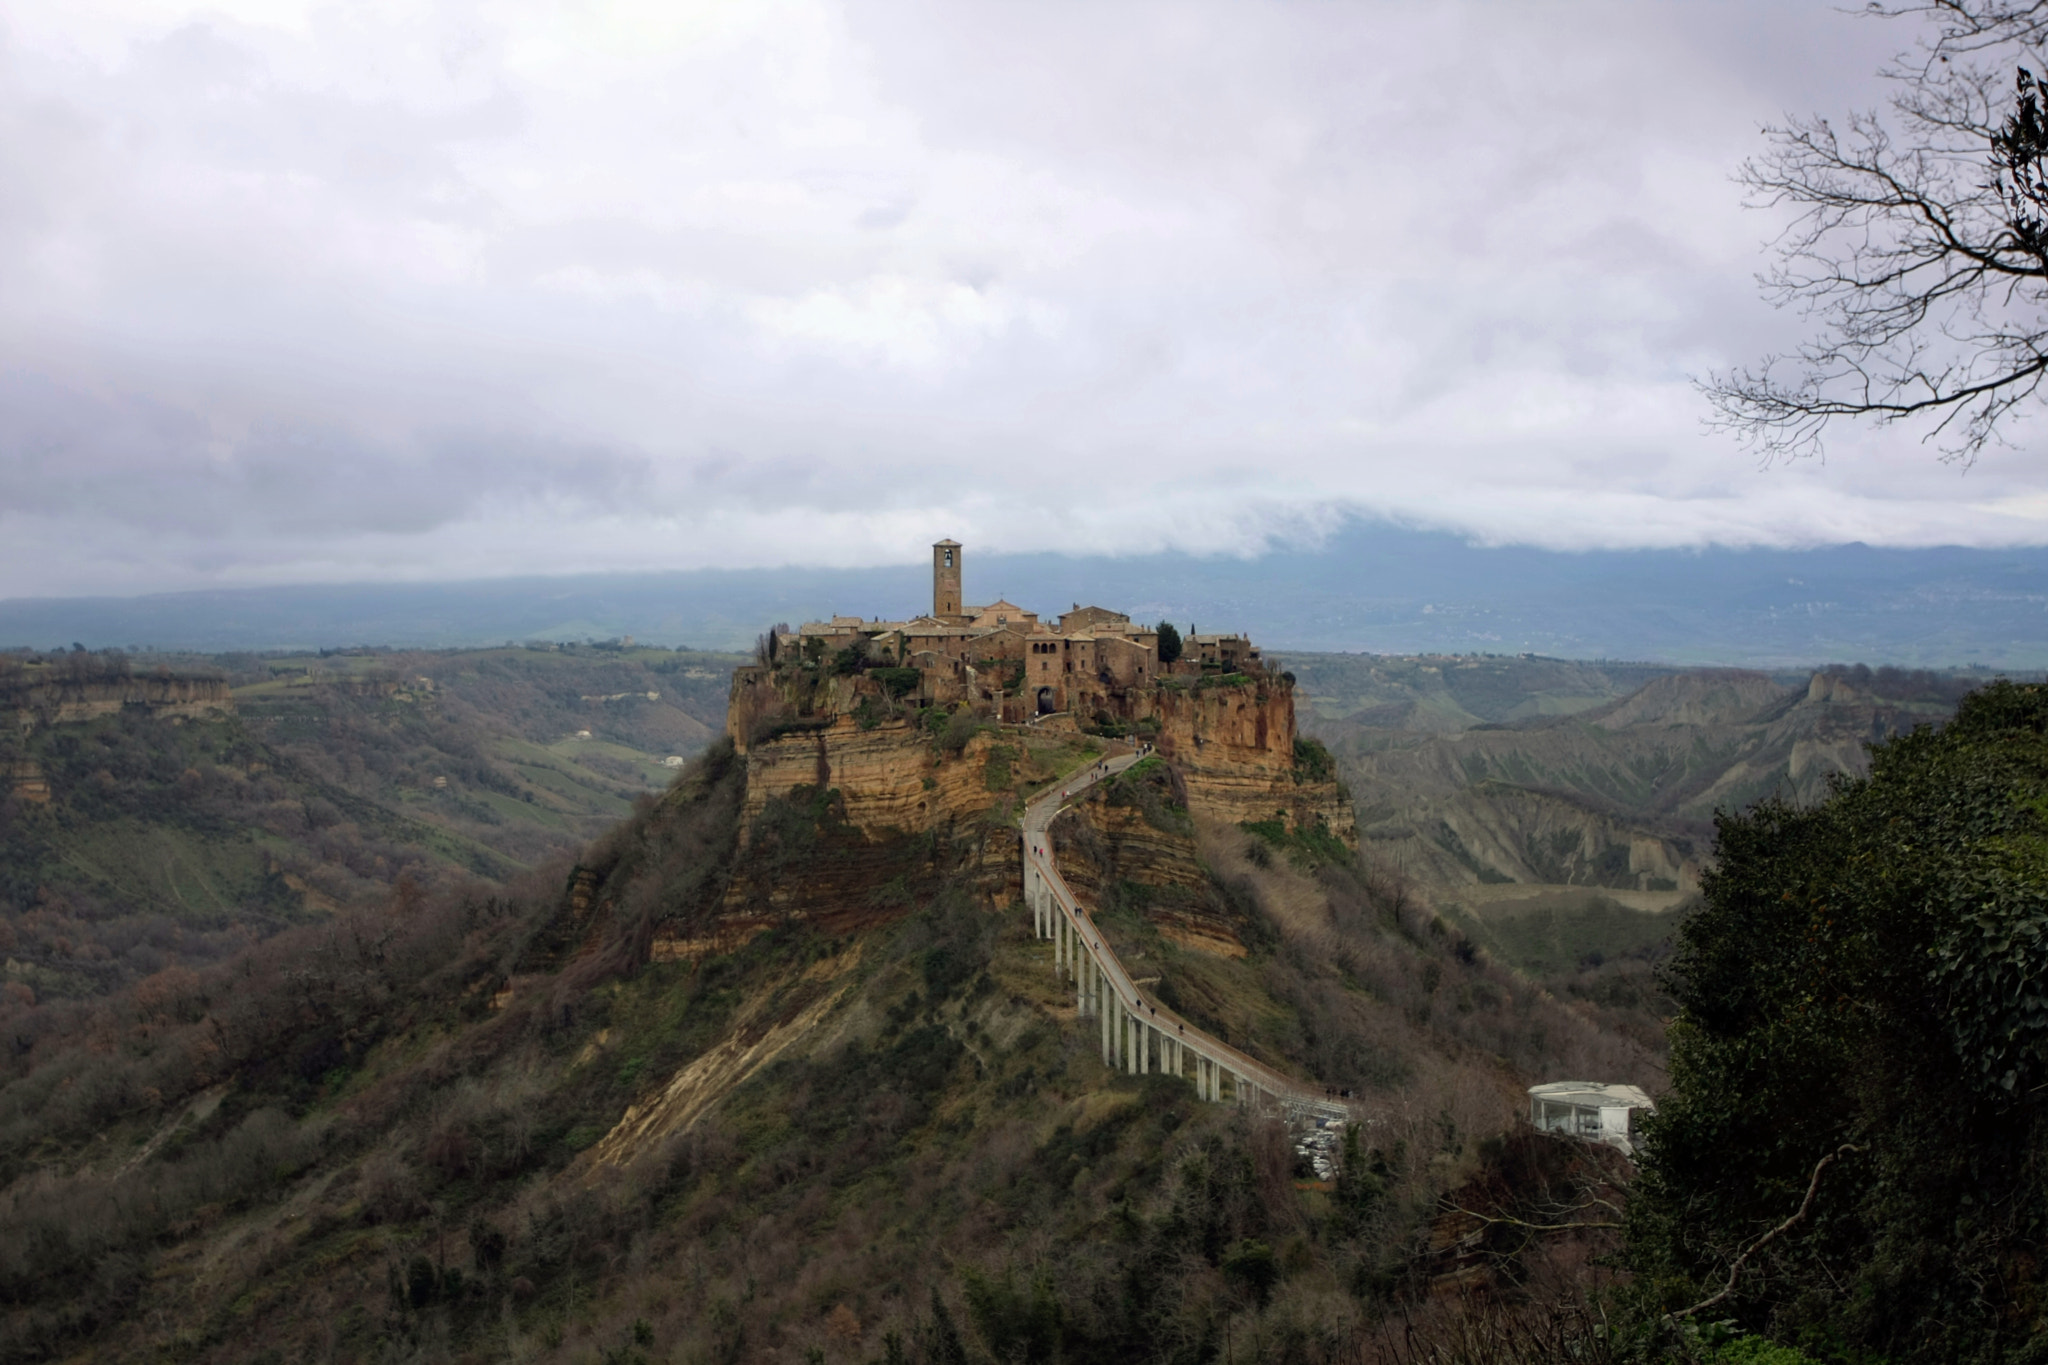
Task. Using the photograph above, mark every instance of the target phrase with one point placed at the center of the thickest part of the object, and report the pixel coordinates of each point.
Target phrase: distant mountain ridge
(1370, 586)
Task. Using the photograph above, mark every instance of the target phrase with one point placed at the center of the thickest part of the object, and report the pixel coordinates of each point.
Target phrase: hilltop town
(943, 723)
(1008, 662)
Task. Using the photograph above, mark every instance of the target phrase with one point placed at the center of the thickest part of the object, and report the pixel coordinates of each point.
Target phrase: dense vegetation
(1866, 983)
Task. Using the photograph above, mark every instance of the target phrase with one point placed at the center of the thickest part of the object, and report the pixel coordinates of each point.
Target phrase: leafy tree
(1252, 1266)
(1918, 244)
(1852, 1142)
(1361, 1183)
(1169, 643)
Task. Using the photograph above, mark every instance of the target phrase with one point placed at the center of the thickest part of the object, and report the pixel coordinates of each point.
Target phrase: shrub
(897, 682)
(962, 726)
(1312, 762)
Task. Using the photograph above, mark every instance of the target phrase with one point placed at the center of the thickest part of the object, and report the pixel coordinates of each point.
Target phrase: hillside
(169, 810)
(1441, 693)
(775, 1069)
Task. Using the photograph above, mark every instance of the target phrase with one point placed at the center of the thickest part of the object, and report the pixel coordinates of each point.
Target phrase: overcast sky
(299, 292)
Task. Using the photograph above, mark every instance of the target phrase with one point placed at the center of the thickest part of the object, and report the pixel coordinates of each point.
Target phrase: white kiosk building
(1584, 1109)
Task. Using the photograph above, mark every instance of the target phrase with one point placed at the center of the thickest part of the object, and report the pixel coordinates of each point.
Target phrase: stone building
(1009, 658)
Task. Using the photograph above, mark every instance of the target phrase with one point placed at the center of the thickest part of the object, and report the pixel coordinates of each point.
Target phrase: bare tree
(1919, 246)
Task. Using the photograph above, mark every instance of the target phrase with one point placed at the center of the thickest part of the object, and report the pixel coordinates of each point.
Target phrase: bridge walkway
(1139, 1034)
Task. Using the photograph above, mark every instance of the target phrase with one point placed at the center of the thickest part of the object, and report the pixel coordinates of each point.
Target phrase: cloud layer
(303, 292)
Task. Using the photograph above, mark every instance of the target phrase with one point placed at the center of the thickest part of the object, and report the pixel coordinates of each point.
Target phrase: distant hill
(173, 814)
(1479, 771)
(1560, 812)
(1370, 586)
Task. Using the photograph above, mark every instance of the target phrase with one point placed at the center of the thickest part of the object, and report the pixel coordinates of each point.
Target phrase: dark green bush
(897, 682)
(1869, 978)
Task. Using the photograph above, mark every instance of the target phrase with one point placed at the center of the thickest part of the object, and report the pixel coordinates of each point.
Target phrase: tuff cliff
(1236, 748)
(1134, 847)
(850, 797)
(1231, 739)
(41, 697)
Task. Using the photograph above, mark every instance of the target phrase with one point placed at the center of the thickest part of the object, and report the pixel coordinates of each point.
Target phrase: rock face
(850, 796)
(892, 778)
(1233, 743)
(1235, 749)
(38, 701)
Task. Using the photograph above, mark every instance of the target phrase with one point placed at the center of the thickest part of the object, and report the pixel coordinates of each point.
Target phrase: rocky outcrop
(24, 781)
(851, 794)
(37, 699)
(891, 777)
(1235, 748)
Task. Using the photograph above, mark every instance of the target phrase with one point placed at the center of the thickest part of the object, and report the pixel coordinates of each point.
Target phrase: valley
(1561, 812)
(585, 1057)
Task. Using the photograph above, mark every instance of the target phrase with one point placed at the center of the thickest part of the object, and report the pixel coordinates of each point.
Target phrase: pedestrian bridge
(1139, 1035)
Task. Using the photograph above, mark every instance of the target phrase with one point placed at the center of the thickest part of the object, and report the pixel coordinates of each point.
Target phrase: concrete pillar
(1144, 1047)
(1106, 1010)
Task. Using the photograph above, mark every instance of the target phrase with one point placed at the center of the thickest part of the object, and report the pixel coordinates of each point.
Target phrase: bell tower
(946, 578)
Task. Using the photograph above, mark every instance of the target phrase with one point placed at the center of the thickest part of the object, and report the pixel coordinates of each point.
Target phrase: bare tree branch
(1918, 246)
(1502, 1221)
(1805, 1209)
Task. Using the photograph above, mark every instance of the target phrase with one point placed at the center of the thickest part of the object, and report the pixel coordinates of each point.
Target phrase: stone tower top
(946, 578)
